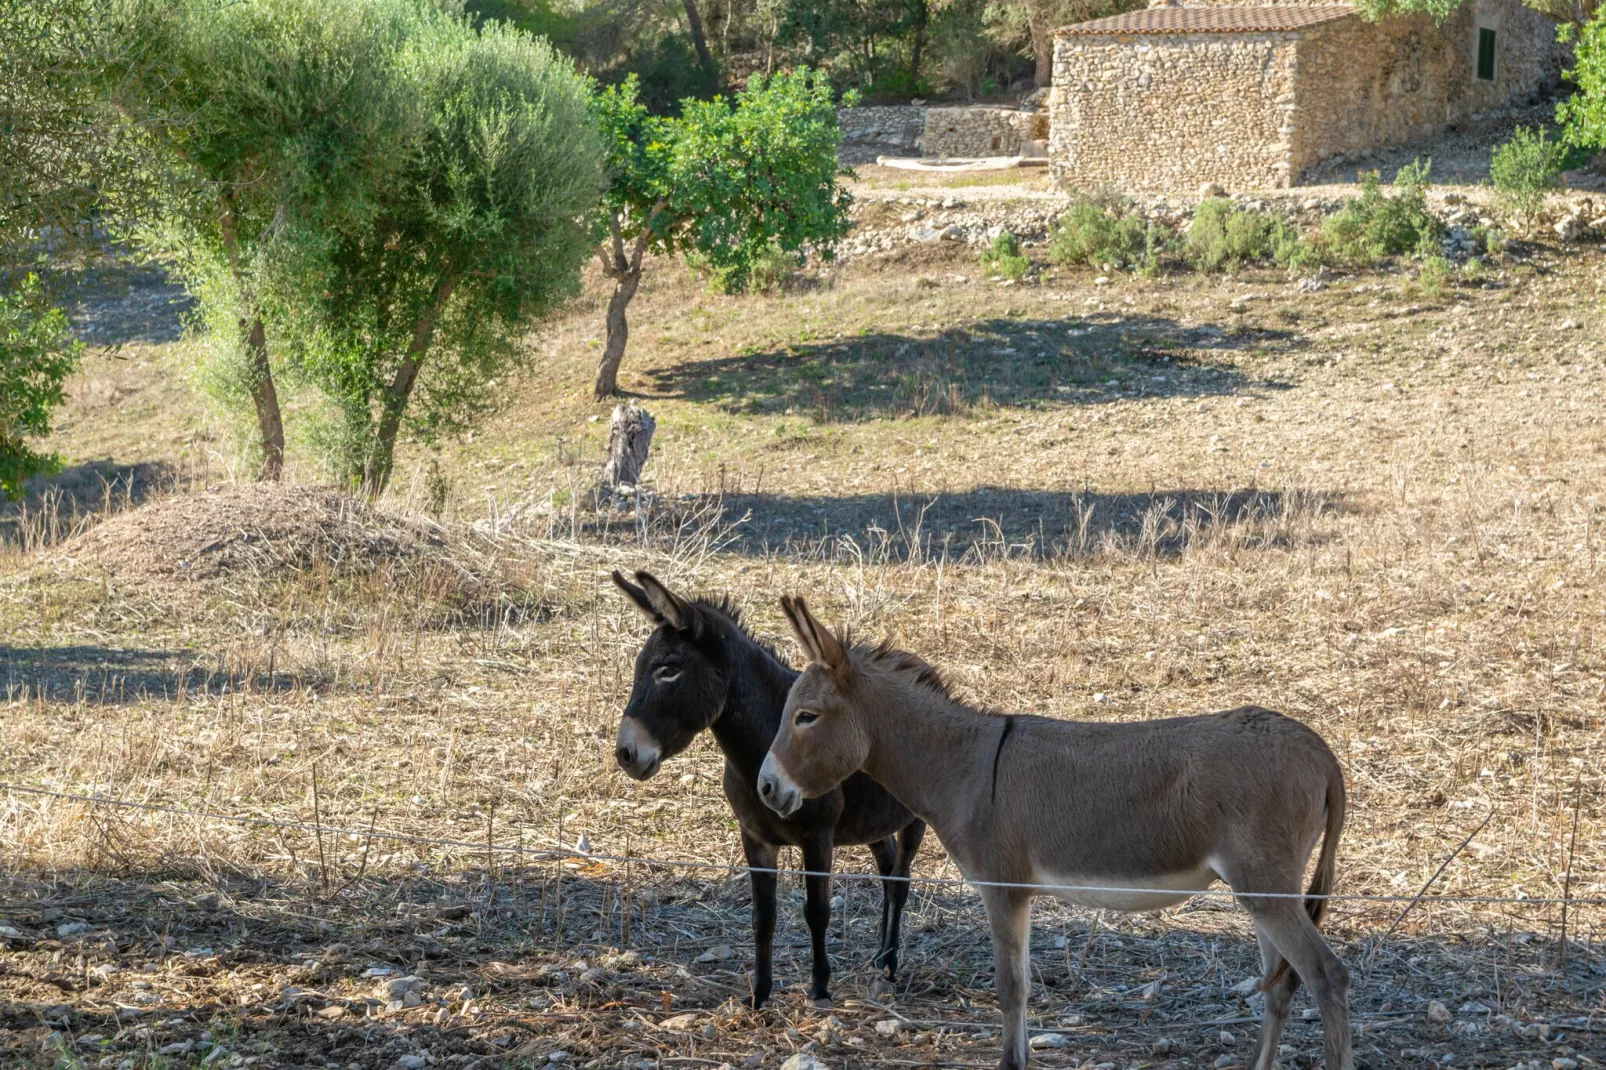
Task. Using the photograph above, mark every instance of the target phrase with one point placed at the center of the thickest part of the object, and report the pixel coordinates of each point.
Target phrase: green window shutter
(1485, 54)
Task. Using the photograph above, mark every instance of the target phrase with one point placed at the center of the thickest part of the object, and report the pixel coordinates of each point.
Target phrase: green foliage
(1003, 257)
(1102, 231)
(1583, 115)
(1377, 225)
(773, 270)
(1563, 11)
(37, 354)
(481, 228)
(1434, 278)
(1523, 170)
(1224, 237)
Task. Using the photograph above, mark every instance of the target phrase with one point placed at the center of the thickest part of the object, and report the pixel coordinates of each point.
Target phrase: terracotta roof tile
(1274, 18)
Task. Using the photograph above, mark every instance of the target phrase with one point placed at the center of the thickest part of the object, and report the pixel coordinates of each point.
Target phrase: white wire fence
(562, 853)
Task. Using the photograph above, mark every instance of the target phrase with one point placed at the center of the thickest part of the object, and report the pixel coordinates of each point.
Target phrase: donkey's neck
(926, 748)
(755, 695)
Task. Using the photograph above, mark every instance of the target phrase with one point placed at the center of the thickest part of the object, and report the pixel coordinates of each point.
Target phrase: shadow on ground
(989, 522)
(106, 675)
(122, 303)
(1010, 362)
(296, 974)
(55, 506)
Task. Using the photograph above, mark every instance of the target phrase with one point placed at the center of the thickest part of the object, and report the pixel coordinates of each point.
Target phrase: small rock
(1164, 1046)
(411, 1062)
(557, 1057)
(716, 954)
(953, 232)
(804, 1061)
(8, 933)
(1224, 1061)
(925, 234)
(680, 1021)
(378, 971)
(1474, 1008)
(624, 960)
(1563, 1063)
(399, 987)
(1050, 1041)
(754, 1060)
(182, 1047)
(1102, 280)
(889, 1027)
(1209, 190)
(1226, 1039)
(72, 928)
(1570, 227)
(1438, 1013)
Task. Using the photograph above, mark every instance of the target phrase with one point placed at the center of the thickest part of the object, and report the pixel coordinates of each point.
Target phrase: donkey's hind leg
(896, 896)
(1279, 993)
(886, 860)
(1294, 934)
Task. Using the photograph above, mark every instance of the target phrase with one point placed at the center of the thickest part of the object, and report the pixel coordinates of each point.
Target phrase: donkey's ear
(817, 639)
(805, 638)
(670, 609)
(636, 595)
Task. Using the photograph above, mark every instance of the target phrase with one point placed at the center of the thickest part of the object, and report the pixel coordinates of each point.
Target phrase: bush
(1376, 225)
(37, 354)
(1223, 236)
(1100, 231)
(1004, 257)
(1583, 115)
(1523, 170)
(773, 269)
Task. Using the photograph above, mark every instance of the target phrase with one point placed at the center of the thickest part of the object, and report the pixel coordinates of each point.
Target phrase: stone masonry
(1249, 97)
(979, 130)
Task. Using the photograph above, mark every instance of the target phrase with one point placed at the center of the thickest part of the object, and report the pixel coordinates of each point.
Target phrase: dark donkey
(701, 669)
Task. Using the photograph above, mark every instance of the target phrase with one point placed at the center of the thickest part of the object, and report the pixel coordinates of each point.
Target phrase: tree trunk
(1041, 23)
(264, 395)
(629, 439)
(695, 21)
(270, 422)
(382, 454)
(918, 47)
(613, 352)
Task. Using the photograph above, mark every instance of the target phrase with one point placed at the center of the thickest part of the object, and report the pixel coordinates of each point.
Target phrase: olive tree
(286, 117)
(733, 180)
(415, 309)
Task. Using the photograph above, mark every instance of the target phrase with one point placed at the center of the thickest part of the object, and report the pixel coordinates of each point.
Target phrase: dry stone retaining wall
(896, 127)
(976, 131)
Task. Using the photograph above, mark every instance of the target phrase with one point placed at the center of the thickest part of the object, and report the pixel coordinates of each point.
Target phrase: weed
(773, 271)
(1376, 225)
(1523, 170)
(1435, 275)
(1224, 237)
(1003, 257)
(1103, 231)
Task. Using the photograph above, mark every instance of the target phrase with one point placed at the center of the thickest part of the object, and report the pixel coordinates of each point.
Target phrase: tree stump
(629, 438)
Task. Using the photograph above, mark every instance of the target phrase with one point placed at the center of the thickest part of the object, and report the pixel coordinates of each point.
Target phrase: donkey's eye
(665, 673)
(807, 717)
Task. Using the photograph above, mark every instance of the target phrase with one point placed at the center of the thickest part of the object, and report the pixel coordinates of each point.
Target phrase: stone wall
(976, 131)
(1172, 111)
(1254, 110)
(1365, 85)
(897, 128)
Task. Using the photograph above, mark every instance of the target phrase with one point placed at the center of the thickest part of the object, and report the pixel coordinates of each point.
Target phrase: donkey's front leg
(1009, 913)
(817, 912)
(762, 856)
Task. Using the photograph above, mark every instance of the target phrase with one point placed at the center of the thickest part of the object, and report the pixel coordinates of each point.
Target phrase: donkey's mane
(724, 607)
(886, 656)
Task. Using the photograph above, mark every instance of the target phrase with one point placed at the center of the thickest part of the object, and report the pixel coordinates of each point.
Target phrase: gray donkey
(1135, 816)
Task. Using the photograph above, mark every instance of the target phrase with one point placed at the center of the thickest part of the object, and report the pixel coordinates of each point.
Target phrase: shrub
(1376, 225)
(1435, 274)
(1583, 115)
(773, 269)
(1523, 170)
(1101, 231)
(37, 354)
(1223, 236)
(1003, 257)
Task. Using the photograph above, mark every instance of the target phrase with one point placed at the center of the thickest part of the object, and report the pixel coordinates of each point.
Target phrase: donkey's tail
(1322, 881)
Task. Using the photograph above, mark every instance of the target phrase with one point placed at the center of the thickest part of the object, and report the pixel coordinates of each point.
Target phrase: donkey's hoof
(820, 1002)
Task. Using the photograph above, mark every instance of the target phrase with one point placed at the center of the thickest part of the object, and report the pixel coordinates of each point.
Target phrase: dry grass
(1133, 500)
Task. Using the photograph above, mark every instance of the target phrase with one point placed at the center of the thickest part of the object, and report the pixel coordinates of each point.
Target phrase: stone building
(1250, 96)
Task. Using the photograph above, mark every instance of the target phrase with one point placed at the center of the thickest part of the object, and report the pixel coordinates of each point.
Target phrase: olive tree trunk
(382, 452)
(623, 266)
(264, 395)
(629, 440)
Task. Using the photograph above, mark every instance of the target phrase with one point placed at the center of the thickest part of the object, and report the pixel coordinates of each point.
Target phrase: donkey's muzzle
(777, 789)
(637, 752)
